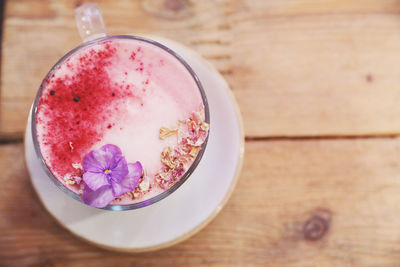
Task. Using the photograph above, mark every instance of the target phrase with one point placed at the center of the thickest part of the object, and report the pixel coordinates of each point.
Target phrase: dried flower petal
(144, 185)
(71, 146)
(167, 158)
(165, 132)
(191, 135)
(205, 126)
(77, 166)
(194, 150)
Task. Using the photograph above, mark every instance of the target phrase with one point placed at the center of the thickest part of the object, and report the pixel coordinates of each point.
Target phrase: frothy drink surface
(121, 92)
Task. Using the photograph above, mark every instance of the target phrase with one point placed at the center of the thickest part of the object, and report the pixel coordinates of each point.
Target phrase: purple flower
(107, 176)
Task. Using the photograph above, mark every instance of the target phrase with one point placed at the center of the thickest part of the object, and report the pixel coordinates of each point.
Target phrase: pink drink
(128, 93)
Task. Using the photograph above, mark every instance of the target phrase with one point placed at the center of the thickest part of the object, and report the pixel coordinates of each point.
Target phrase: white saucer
(179, 215)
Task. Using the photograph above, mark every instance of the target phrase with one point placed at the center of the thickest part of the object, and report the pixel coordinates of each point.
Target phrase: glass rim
(143, 203)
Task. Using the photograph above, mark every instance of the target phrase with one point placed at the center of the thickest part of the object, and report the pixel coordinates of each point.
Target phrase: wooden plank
(305, 67)
(303, 203)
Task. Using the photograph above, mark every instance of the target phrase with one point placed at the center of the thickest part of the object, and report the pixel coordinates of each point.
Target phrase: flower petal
(118, 189)
(130, 181)
(91, 164)
(112, 154)
(120, 170)
(99, 198)
(95, 180)
(106, 157)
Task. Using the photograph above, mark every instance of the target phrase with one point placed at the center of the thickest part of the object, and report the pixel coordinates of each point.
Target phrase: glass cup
(92, 30)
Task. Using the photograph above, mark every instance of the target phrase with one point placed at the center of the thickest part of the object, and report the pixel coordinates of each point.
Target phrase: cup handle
(89, 22)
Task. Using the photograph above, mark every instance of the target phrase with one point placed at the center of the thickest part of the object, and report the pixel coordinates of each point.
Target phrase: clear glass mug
(92, 30)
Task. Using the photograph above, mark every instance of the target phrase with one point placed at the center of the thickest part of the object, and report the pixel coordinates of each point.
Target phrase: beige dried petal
(77, 166)
(144, 185)
(167, 159)
(201, 110)
(164, 176)
(191, 134)
(129, 194)
(71, 146)
(194, 150)
(165, 132)
(205, 126)
(170, 164)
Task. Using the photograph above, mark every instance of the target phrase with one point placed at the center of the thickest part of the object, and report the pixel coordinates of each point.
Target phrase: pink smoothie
(121, 92)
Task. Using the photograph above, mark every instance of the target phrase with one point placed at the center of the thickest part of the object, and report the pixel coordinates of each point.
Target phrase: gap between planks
(321, 137)
(15, 139)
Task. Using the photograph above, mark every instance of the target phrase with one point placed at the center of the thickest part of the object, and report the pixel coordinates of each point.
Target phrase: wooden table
(318, 84)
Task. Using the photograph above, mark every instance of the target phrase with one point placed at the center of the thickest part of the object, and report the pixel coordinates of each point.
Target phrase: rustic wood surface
(306, 203)
(297, 67)
(318, 84)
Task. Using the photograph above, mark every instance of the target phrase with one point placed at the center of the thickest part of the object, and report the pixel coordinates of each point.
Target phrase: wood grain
(345, 191)
(312, 71)
(297, 67)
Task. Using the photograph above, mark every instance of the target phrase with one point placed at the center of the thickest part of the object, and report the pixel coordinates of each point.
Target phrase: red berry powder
(75, 109)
